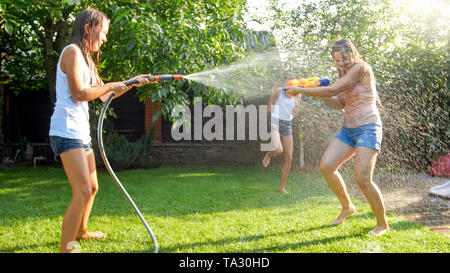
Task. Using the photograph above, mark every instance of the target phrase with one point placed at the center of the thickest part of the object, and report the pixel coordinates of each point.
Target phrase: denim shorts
(367, 136)
(284, 127)
(61, 145)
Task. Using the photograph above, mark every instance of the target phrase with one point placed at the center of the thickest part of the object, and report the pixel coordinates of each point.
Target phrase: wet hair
(85, 41)
(347, 49)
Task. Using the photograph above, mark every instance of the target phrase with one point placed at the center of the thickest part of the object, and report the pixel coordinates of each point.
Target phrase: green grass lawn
(199, 209)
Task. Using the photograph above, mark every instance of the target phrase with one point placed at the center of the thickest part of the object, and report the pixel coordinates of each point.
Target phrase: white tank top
(70, 119)
(285, 107)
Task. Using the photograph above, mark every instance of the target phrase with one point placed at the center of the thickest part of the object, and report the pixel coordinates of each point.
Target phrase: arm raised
(347, 81)
(276, 91)
(72, 64)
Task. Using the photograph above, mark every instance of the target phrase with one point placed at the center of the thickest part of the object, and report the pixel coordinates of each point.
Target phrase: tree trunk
(302, 155)
(1, 100)
(53, 38)
(1, 112)
(50, 69)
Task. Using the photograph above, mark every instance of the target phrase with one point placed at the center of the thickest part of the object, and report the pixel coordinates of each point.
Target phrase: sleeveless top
(285, 107)
(70, 119)
(360, 105)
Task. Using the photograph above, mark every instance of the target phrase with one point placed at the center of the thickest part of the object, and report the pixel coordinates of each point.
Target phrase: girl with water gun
(361, 133)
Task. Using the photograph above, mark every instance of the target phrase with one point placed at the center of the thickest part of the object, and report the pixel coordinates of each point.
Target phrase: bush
(408, 51)
(123, 154)
(315, 126)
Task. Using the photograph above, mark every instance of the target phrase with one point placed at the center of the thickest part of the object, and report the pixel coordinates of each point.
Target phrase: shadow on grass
(175, 192)
(250, 238)
(301, 245)
(167, 191)
(398, 226)
(29, 248)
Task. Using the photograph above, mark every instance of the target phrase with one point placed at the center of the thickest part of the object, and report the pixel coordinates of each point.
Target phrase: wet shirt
(360, 105)
(285, 107)
(70, 119)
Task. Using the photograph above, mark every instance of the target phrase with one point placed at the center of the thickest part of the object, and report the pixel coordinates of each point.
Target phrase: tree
(145, 37)
(168, 37)
(38, 31)
(408, 48)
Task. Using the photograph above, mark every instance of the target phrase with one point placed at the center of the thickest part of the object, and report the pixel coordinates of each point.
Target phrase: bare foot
(283, 191)
(379, 230)
(344, 213)
(266, 160)
(92, 235)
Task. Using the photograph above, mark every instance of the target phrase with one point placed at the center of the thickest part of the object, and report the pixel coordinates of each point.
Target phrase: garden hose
(111, 172)
(105, 159)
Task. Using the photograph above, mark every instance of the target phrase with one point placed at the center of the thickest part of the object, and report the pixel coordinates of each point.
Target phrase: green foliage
(421, 110)
(168, 37)
(33, 34)
(145, 36)
(408, 49)
(123, 154)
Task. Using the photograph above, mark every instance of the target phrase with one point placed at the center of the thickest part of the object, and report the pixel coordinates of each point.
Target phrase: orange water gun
(309, 82)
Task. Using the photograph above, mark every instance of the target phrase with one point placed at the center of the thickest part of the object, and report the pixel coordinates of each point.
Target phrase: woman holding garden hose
(361, 133)
(77, 82)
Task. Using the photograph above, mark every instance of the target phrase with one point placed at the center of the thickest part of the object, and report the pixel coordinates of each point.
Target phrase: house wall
(150, 109)
(29, 115)
(207, 154)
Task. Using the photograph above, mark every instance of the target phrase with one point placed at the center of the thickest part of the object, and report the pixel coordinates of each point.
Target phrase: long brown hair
(85, 41)
(348, 49)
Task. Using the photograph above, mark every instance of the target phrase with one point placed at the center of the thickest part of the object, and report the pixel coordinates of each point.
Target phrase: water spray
(103, 154)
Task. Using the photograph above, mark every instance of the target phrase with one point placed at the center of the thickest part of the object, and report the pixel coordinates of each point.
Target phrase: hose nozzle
(157, 78)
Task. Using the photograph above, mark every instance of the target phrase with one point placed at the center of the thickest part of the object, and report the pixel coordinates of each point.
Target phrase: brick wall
(150, 109)
(208, 154)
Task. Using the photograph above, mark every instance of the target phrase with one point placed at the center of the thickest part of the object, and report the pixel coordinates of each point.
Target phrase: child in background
(281, 129)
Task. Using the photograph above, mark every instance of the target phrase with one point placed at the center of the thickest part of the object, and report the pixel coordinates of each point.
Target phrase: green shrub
(123, 154)
(315, 126)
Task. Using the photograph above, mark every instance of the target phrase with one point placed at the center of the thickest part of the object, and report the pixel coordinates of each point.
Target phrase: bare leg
(288, 146)
(77, 170)
(335, 155)
(82, 232)
(365, 160)
(278, 148)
